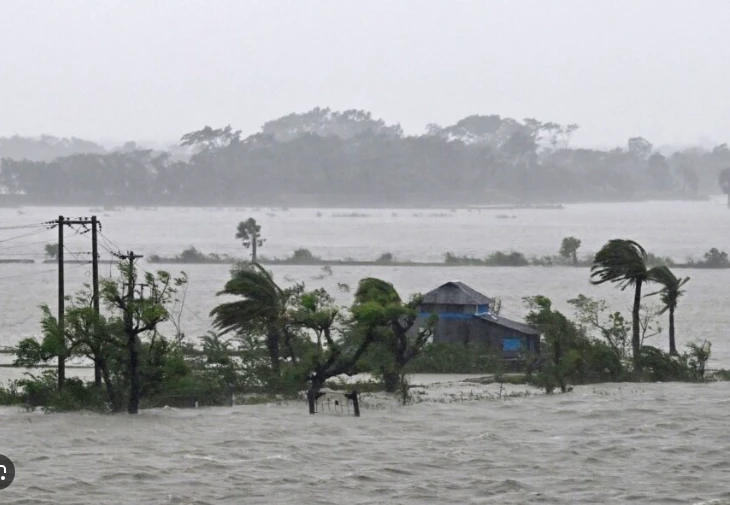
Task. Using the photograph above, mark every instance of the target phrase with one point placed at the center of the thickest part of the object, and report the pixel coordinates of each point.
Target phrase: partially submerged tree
(250, 234)
(380, 313)
(569, 249)
(669, 294)
(141, 314)
(623, 262)
(262, 309)
(334, 354)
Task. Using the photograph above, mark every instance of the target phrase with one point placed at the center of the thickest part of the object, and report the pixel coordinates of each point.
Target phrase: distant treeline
(714, 259)
(329, 158)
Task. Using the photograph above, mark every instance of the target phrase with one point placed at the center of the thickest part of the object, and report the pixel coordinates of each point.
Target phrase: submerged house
(464, 316)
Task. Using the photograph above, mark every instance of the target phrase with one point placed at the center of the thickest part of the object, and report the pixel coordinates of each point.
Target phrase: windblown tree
(262, 310)
(334, 354)
(569, 249)
(141, 315)
(623, 262)
(249, 232)
(669, 294)
(129, 365)
(724, 181)
(381, 314)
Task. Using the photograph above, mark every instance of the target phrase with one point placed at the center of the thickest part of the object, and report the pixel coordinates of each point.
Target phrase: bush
(501, 259)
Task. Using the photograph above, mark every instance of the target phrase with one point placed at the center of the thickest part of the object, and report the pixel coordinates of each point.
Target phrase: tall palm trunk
(672, 342)
(635, 326)
(254, 238)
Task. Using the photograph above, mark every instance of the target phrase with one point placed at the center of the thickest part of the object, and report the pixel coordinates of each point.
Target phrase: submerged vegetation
(270, 341)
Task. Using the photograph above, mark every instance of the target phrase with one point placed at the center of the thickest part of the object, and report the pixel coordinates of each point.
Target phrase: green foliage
(385, 258)
(569, 248)
(51, 251)
(380, 314)
(495, 259)
(715, 259)
(697, 357)
(249, 232)
(439, 357)
(302, 255)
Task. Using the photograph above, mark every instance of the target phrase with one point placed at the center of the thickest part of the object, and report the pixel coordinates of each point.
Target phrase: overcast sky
(155, 69)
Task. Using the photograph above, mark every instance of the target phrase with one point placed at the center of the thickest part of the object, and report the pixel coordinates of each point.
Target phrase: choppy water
(653, 444)
(649, 443)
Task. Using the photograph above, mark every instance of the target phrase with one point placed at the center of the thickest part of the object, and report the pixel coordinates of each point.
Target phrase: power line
(23, 226)
(34, 232)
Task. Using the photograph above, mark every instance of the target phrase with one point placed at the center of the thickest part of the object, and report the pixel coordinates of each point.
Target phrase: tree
(262, 309)
(724, 181)
(333, 356)
(613, 328)
(669, 295)
(250, 233)
(51, 251)
(140, 315)
(560, 338)
(382, 316)
(209, 138)
(569, 249)
(623, 262)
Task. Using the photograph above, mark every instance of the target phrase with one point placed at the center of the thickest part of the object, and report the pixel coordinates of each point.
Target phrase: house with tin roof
(466, 315)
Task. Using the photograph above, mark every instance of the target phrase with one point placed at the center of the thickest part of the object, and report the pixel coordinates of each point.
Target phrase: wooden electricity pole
(62, 223)
(61, 308)
(95, 224)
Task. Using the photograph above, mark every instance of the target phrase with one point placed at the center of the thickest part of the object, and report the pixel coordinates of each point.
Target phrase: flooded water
(653, 444)
(645, 443)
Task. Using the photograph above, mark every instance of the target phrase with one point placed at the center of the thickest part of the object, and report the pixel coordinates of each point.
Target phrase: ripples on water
(652, 444)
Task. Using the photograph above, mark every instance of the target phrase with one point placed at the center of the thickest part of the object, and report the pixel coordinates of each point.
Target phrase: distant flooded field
(676, 229)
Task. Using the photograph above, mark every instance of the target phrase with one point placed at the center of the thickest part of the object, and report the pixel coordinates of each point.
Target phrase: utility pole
(95, 225)
(61, 308)
(133, 406)
(95, 287)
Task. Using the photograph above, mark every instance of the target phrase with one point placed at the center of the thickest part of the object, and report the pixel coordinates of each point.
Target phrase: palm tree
(263, 308)
(250, 234)
(669, 295)
(623, 262)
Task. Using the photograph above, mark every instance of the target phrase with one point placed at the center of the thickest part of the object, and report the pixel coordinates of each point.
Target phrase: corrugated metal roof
(456, 292)
(509, 323)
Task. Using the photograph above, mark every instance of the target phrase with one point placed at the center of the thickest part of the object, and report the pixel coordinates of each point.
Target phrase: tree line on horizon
(325, 157)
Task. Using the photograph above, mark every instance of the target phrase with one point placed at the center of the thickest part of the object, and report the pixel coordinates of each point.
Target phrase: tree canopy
(351, 157)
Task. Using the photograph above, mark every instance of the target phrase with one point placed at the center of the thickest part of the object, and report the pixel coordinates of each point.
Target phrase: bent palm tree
(263, 308)
(669, 295)
(623, 262)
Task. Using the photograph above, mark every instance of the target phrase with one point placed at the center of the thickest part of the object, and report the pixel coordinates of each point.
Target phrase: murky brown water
(653, 444)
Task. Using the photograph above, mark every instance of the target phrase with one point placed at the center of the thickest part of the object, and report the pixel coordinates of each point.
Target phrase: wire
(24, 244)
(22, 226)
(34, 232)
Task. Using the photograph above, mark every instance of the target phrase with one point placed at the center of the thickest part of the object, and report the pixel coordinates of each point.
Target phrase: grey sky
(155, 69)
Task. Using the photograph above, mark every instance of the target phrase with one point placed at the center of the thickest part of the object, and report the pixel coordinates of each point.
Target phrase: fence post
(311, 400)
